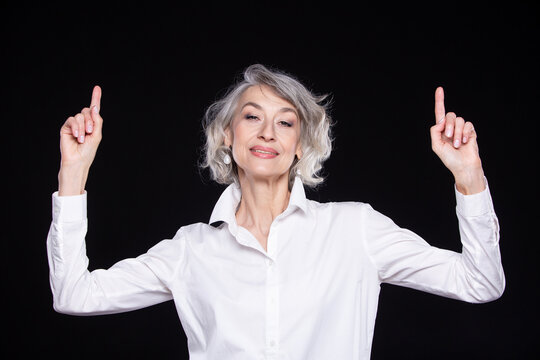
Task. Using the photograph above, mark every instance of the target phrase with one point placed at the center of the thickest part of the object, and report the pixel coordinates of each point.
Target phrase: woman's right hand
(79, 139)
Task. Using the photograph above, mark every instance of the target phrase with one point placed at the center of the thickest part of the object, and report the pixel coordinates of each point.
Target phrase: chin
(266, 174)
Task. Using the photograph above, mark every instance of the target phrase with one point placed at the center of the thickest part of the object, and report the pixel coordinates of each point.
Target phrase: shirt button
(272, 343)
(269, 262)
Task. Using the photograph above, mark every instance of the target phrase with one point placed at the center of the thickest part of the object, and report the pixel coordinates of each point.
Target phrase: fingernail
(96, 109)
(76, 133)
(456, 143)
(465, 139)
(89, 128)
(81, 138)
(448, 132)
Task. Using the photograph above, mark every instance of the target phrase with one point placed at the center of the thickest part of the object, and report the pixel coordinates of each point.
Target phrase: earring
(227, 159)
(298, 172)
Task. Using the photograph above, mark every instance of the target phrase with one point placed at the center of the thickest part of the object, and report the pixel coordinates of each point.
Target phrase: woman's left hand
(454, 141)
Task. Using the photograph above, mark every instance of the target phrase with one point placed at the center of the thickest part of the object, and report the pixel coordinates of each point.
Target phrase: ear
(228, 137)
(299, 152)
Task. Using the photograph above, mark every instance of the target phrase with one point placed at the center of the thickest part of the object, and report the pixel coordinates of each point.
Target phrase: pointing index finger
(96, 97)
(439, 104)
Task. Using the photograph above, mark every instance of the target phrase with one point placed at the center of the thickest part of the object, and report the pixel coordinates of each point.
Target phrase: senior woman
(274, 275)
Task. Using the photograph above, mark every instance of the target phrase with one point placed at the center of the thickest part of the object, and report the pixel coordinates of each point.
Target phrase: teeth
(264, 152)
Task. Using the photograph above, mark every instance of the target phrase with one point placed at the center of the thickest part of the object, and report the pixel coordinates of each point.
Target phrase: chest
(304, 271)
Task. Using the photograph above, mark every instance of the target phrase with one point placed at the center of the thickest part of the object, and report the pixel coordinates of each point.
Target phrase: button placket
(272, 297)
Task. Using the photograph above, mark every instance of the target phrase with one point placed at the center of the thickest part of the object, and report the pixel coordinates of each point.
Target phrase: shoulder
(184, 235)
(359, 213)
(185, 239)
(342, 214)
(342, 207)
(197, 231)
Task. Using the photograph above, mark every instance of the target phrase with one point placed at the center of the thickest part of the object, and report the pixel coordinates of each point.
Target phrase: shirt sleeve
(403, 258)
(128, 285)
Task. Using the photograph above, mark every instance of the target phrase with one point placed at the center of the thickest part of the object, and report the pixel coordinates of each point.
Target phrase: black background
(160, 67)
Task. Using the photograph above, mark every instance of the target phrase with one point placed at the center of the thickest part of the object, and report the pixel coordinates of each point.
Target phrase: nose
(266, 131)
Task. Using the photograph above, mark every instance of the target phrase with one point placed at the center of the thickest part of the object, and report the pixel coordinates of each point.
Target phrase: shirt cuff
(68, 208)
(475, 204)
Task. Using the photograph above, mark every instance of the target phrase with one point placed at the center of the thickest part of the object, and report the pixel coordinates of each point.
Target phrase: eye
(251, 117)
(285, 123)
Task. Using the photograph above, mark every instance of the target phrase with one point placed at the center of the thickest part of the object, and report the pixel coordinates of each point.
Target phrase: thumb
(437, 132)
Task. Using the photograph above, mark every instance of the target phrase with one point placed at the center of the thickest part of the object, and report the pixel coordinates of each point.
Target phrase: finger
(97, 119)
(79, 119)
(439, 104)
(436, 137)
(450, 123)
(458, 131)
(96, 98)
(70, 127)
(468, 132)
(440, 125)
(88, 121)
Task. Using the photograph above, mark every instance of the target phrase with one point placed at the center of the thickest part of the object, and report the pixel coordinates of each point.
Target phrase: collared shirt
(312, 295)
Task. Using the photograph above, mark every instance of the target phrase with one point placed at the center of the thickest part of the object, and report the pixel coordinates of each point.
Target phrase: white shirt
(312, 295)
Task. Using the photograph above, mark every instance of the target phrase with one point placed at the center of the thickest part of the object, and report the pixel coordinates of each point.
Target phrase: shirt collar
(225, 208)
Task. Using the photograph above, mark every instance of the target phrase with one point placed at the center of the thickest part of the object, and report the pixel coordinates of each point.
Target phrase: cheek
(293, 143)
(239, 139)
(240, 143)
(241, 135)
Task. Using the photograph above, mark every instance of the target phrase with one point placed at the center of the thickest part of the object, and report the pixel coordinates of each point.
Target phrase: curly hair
(315, 125)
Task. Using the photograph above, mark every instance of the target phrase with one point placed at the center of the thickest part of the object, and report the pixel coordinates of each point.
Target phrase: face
(264, 134)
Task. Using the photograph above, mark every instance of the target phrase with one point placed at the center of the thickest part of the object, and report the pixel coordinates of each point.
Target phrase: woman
(275, 275)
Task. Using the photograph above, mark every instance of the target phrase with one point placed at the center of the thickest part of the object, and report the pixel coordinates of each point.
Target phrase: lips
(263, 152)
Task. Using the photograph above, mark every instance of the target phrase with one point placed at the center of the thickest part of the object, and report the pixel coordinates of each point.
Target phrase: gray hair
(315, 126)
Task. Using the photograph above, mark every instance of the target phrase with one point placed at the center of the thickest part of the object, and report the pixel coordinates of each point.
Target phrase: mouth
(263, 151)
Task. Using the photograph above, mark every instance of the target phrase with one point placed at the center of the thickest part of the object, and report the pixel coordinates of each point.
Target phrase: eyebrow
(259, 107)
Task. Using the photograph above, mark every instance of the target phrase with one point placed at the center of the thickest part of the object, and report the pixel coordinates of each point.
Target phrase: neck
(262, 201)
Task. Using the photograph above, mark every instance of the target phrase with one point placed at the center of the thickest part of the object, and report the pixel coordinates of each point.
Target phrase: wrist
(470, 182)
(71, 180)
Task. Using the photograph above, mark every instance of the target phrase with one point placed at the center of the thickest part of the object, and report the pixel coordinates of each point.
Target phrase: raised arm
(404, 258)
(129, 284)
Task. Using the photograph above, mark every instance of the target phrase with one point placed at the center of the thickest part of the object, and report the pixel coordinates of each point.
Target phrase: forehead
(264, 96)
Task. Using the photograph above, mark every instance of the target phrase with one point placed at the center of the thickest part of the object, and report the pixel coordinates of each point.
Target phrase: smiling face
(264, 134)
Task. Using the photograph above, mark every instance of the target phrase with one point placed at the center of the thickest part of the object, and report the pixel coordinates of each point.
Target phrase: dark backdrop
(159, 67)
